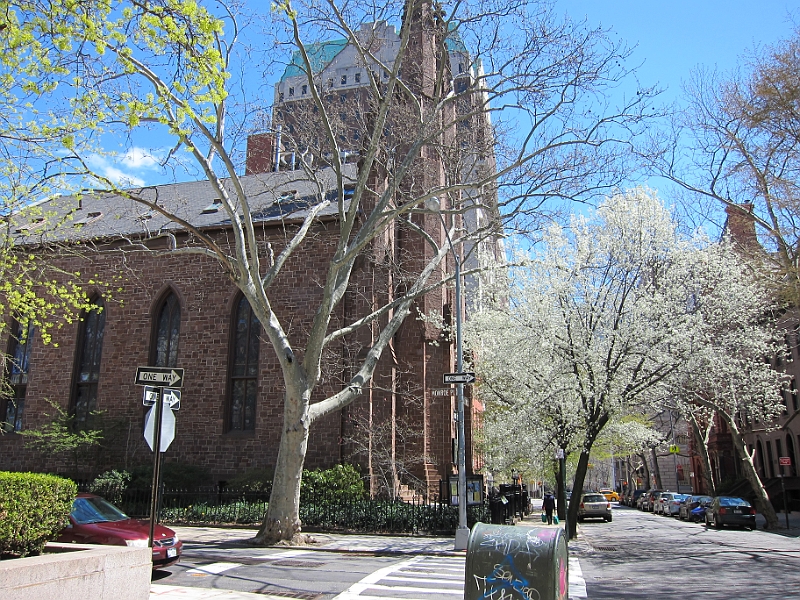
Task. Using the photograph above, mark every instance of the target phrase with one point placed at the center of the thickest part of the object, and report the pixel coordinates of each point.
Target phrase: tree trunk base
(274, 533)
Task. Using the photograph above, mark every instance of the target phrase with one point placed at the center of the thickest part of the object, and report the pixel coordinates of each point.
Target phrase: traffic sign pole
(156, 466)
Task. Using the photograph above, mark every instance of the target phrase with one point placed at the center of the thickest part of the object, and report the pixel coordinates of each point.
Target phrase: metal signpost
(156, 380)
(462, 533)
(784, 461)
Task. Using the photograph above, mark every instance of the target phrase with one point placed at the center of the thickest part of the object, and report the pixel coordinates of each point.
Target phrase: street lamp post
(462, 533)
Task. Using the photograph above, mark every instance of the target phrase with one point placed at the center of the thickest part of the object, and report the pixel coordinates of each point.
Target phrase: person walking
(549, 504)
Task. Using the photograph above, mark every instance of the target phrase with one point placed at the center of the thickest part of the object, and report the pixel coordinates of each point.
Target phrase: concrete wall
(78, 572)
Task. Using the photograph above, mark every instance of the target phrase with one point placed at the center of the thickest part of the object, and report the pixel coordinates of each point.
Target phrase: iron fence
(217, 506)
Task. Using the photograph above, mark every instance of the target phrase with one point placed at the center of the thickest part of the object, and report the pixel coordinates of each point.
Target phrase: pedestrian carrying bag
(544, 518)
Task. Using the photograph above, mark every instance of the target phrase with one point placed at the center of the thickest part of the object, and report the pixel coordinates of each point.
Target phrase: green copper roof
(320, 55)
(453, 40)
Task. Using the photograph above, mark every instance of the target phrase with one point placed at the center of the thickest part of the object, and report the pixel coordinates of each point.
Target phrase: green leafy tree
(59, 435)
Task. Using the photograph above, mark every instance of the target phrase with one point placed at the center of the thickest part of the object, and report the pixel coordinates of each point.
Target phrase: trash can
(514, 562)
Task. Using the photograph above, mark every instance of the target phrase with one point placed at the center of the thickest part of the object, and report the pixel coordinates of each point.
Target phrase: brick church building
(173, 309)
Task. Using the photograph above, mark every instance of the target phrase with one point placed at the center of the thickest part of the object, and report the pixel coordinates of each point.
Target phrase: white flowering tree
(602, 320)
(725, 371)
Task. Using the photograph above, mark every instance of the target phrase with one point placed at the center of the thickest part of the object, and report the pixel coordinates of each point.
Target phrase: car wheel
(717, 524)
(608, 518)
(707, 523)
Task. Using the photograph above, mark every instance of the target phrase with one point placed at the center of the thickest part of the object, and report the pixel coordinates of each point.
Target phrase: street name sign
(459, 378)
(785, 461)
(159, 376)
(171, 397)
(442, 392)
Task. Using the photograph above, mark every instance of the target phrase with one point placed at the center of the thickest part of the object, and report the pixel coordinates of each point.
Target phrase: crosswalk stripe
(212, 569)
(418, 571)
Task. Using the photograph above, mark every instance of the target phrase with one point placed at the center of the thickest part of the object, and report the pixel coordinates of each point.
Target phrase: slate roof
(286, 195)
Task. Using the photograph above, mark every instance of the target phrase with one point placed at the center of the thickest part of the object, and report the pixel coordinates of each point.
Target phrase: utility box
(514, 562)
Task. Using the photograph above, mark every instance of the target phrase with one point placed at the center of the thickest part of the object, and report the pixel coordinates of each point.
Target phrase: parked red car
(94, 520)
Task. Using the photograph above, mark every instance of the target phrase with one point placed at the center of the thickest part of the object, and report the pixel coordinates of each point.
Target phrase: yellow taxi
(610, 495)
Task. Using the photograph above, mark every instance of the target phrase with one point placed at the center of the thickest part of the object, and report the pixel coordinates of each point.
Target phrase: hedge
(33, 510)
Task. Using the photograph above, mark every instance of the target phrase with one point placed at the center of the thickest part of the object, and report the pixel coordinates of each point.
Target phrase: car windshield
(95, 510)
(594, 498)
(724, 501)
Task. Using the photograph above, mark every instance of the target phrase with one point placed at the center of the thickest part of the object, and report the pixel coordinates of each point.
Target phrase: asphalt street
(638, 556)
(651, 557)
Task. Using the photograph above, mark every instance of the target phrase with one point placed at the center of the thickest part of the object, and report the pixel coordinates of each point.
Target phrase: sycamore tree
(613, 315)
(537, 120)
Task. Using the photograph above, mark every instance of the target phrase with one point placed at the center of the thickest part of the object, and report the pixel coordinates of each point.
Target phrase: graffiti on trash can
(510, 542)
(506, 581)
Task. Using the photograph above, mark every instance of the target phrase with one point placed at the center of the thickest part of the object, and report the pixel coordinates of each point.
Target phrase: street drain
(304, 564)
(605, 548)
(295, 595)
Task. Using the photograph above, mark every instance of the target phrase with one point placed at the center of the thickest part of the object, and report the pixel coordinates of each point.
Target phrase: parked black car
(690, 504)
(727, 510)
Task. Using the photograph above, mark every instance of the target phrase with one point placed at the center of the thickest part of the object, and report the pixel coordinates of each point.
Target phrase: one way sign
(459, 378)
(159, 376)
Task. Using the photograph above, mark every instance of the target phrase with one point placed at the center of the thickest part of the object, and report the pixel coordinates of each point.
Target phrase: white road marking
(220, 567)
(419, 570)
(577, 584)
(212, 569)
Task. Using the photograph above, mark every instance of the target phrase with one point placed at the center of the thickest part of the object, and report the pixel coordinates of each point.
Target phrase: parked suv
(594, 506)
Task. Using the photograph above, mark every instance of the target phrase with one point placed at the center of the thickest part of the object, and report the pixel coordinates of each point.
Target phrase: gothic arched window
(87, 374)
(17, 363)
(168, 328)
(243, 383)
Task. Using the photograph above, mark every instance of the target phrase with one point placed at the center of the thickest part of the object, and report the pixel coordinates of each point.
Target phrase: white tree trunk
(282, 521)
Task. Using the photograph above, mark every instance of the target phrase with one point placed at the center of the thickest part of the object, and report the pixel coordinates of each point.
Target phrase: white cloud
(139, 158)
(102, 166)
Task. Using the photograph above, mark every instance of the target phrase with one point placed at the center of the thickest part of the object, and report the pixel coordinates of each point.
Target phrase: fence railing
(317, 513)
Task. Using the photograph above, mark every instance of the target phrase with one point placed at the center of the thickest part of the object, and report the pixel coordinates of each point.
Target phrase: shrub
(33, 509)
(174, 475)
(252, 480)
(111, 485)
(342, 482)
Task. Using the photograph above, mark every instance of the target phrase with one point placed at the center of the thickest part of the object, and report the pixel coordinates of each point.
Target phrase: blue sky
(674, 37)
(670, 39)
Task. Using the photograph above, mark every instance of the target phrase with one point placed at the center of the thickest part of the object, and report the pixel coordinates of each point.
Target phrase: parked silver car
(672, 507)
(594, 506)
